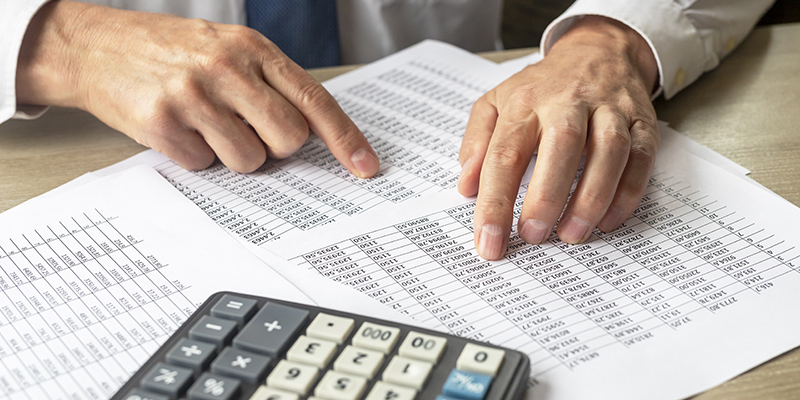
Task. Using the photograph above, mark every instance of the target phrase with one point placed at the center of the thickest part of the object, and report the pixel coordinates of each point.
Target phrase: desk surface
(747, 110)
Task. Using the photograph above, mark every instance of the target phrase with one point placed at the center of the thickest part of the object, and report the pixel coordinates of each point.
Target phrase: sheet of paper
(700, 285)
(413, 108)
(95, 278)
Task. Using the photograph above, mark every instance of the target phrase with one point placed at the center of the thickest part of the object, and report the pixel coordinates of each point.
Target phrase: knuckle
(566, 129)
(505, 157)
(594, 200)
(313, 96)
(291, 141)
(613, 137)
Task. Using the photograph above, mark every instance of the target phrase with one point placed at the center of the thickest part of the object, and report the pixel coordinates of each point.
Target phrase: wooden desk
(748, 110)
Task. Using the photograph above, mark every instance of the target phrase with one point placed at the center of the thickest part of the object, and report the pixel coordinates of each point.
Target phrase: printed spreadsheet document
(93, 280)
(697, 287)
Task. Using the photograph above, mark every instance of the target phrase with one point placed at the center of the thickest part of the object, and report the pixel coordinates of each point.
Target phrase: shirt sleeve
(14, 20)
(688, 37)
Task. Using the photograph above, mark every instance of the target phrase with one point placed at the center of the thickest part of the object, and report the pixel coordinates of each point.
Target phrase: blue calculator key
(167, 379)
(466, 385)
(443, 397)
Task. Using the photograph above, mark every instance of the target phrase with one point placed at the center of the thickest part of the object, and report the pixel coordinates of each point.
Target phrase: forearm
(617, 41)
(49, 60)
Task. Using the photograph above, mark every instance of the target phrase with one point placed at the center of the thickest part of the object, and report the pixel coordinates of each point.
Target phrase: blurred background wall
(525, 20)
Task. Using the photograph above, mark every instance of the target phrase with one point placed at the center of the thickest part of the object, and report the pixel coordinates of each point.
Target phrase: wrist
(49, 68)
(601, 34)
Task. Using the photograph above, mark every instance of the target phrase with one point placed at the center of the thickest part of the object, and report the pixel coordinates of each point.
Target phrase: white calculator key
(361, 362)
(387, 391)
(422, 347)
(376, 337)
(293, 377)
(479, 359)
(339, 386)
(316, 352)
(407, 372)
(330, 327)
(268, 393)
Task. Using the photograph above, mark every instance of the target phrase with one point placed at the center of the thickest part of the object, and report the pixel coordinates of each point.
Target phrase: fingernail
(575, 230)
(611, 220)
(490, 244)
(463, 170)
(366, 164)
(534, 231)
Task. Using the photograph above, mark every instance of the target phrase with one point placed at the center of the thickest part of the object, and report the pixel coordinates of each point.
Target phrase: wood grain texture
(748, 110)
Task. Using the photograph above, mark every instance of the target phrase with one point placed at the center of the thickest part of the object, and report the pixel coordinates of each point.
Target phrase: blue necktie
(306, 30)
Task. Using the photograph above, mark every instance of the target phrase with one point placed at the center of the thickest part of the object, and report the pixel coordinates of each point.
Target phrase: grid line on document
(25, 318)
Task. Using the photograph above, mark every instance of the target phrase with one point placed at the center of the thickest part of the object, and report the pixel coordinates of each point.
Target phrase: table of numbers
(82, 306)
(680, 255)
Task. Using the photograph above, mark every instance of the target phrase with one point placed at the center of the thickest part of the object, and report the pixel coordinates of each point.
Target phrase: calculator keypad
(267, 350)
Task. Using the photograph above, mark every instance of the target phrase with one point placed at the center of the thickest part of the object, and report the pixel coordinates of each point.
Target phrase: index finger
(324, 115)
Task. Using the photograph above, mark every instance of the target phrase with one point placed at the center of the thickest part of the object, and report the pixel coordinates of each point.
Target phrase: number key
(316, 352)
(293, 376)
(422, 347)
(358, 361)
(376, 337)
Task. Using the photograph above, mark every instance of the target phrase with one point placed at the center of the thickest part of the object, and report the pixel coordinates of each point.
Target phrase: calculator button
(139, 394)
(213, 387)
(241, 364)
(422, 347)
(316, 352)
(387, 391)
(376, 337)
(191, 353)
(330, 327)
(480, 359)
(268, 393)
(235, 308)
(407, 372)
(466, 385)
(359, 362)
(167, 379)
(293, 376)
(214, 330)
(271, 329)
(338, 386)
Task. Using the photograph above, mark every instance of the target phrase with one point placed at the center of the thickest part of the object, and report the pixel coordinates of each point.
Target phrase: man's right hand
(191, 89)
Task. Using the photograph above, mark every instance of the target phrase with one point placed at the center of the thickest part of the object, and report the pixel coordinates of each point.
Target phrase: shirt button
(680, 77)
(730, 44)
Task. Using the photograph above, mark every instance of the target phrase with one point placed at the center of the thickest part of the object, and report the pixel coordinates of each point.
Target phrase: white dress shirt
(687, 37)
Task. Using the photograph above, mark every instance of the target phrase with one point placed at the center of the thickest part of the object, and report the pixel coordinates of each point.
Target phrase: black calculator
(239, 346)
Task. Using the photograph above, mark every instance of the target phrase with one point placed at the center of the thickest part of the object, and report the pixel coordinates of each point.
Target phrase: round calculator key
(340, 386)
(330, 327)
(407, 372)
(316, 352)
(480, 359)
(268, 393)
(292, 376)
(357, 361)
(422, 347)
(388, 391)
(376, 337)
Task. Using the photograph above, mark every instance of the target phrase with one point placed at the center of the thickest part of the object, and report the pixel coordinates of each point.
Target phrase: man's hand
(191, 89)
(590, 94)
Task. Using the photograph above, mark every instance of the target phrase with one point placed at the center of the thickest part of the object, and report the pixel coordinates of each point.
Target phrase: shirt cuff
(674, 40)
(14, 22)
